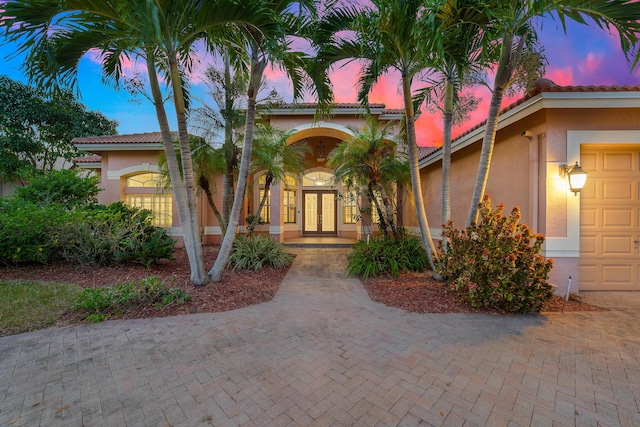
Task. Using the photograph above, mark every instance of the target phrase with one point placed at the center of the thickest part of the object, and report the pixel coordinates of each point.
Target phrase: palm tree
(370, 159)
(276, 158)
(393, 35)
(270, 44)
(56, 34)
(509, 31)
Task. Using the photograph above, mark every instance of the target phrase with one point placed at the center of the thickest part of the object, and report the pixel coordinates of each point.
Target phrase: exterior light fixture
(320, 156)
(576, 175)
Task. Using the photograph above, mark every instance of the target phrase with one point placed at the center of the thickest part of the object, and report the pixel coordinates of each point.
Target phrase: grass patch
(31, 305)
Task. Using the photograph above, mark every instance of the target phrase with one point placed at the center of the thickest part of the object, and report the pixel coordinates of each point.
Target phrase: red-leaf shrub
(496, 263)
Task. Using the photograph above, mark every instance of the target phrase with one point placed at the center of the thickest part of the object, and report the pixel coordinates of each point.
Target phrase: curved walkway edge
(323, 354)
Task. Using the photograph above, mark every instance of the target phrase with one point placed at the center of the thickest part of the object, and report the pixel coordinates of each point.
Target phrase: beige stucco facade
(536, 137)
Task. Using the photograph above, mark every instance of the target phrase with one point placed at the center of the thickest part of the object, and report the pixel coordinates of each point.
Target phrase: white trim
(322, 125)
(569, 246)
(142, 167)
(545, 100)
(214, 230)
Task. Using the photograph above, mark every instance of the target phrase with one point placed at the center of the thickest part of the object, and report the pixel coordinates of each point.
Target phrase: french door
(319, 212)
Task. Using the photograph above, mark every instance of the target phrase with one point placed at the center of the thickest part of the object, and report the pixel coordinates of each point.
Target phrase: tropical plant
(64, 187)
(254, 252)
(276, 158)
(509, 34)
(272, 44)
(56, 34)
(370, 159)
(496, 263)
(384, 256)
(391, 35)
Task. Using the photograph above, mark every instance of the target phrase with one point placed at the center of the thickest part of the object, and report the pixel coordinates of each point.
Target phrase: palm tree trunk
(257, 70)
(501, 81)
(263, 202)
(388, 211)
(446, 156)
(381, 214)
(190, 229)
(229, 148)
(178, 186)
(412, 151)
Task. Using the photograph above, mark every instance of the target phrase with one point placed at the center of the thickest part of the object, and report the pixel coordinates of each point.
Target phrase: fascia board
(93, 148)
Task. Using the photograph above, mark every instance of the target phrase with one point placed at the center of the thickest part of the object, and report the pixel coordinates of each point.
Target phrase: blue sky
(584, 56)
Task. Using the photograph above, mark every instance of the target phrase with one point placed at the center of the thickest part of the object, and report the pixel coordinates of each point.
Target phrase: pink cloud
(561, 76)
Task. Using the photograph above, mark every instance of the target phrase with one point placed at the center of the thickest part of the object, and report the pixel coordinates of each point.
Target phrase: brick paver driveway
(321, 353)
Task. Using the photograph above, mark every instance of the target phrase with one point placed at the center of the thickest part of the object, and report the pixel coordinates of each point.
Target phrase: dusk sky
(584, 56)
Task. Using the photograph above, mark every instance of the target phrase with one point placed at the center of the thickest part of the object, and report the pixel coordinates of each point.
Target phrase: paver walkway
(322, 354)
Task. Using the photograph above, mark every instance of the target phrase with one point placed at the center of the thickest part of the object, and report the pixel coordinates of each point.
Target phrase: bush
(497, 263)
(115, 233)
(97, 304)
(252, 252)
(387, 256)
(64, 187)
(27, 231)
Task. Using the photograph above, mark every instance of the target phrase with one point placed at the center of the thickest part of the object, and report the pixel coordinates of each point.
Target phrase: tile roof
(546, 85)
(88, 159)
(134, 138)
(340, 106)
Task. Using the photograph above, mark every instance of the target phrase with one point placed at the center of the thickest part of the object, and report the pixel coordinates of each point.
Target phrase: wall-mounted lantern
(320, 156)
(576, 175)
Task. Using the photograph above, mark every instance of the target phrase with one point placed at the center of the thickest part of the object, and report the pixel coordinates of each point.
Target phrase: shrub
(253, 252)
(496, 263)
(387, 256)
(115, 233)
(27, 231)
(64, 187)
(97, 304)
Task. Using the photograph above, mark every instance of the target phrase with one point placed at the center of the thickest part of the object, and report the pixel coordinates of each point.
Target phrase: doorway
(319, 210)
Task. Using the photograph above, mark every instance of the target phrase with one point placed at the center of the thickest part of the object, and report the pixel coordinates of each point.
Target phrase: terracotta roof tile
(134, 138)
(88, 159)
(344, 105)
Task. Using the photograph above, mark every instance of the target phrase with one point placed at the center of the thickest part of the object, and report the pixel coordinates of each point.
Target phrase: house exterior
(593, 236)
(310, 205)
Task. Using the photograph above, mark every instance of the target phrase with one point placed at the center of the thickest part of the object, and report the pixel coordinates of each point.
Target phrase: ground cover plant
(255, 251)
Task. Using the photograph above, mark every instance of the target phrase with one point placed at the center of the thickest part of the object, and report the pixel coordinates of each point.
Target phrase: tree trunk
(206, 187)
(501, 81)
(178, 188)
(446, 156)
(190, 229)
(257, 70)
(412, 151)
(263, 202)
(381, 215)
(388, 211)
(229, 149)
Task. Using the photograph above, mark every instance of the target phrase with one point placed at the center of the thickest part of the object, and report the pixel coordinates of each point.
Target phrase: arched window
(318, 179)
(144, 191)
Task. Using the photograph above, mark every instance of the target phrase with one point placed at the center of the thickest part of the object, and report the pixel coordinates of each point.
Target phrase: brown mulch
(240, 288)
(419, 293)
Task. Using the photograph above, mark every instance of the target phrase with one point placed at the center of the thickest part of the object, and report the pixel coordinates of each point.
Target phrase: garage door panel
(589, 217)
(588, 245)
(618, 162)
(617, 245)
(617, 191)
(617, 217)
(617, 273)
(589, 162)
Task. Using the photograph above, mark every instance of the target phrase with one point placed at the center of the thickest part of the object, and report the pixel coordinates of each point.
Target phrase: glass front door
(319, 212)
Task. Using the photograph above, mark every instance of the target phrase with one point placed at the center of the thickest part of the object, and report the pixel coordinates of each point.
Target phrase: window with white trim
(289, 199)
(144, 191)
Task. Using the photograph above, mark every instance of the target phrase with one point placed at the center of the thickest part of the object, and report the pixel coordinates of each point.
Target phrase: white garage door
(610, 219)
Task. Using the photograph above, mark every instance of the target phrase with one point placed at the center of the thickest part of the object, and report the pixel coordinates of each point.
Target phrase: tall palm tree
(392, 35)
(272, 44)
(370, 158)
(57, 33)
(276, 158)
(509, 30)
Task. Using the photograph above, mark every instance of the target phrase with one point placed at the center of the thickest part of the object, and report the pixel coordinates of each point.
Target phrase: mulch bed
(413, 292)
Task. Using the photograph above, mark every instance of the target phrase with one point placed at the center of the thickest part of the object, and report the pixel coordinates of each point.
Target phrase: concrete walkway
(322, 354)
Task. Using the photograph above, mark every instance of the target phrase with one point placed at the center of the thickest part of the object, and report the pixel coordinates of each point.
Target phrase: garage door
(610, 219)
